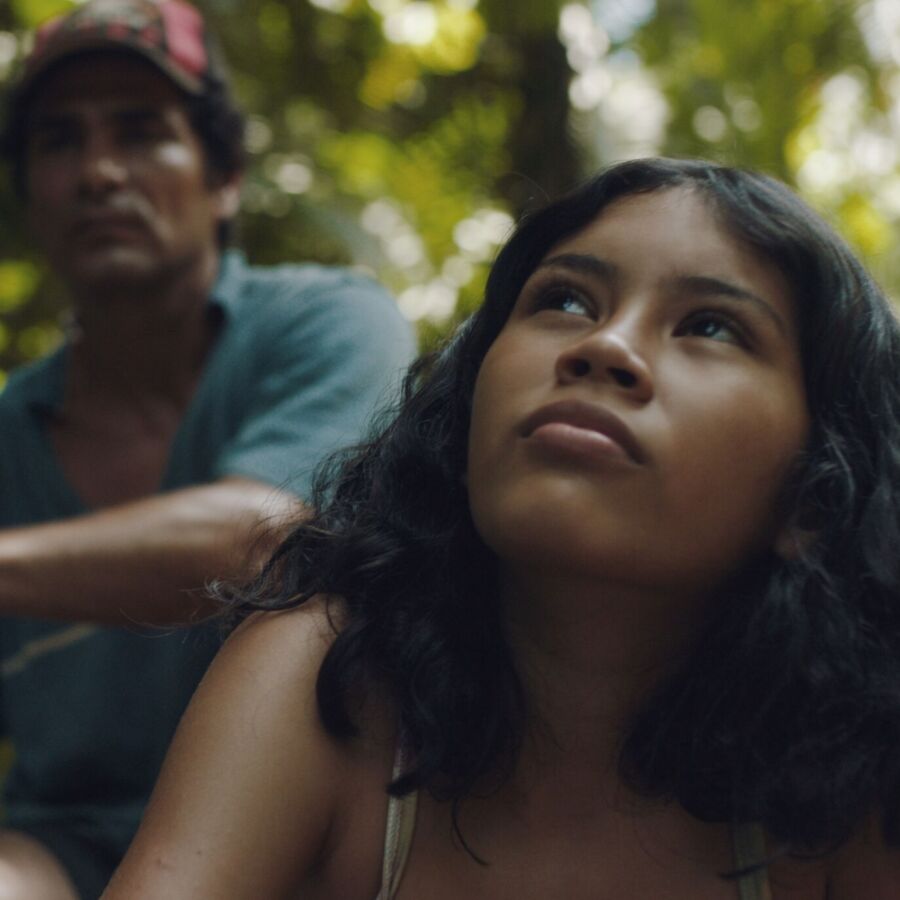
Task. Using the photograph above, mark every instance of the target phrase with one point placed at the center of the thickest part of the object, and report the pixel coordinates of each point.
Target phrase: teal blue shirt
(303, 357)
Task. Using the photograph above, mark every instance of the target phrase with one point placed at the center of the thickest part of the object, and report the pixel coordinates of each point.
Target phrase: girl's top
(748, 843)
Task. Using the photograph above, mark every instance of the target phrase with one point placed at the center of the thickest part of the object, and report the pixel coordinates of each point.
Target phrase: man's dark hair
(221, 126)
(785, 711)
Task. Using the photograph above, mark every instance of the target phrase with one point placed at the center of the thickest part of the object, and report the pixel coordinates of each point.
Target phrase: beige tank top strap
(749, 846)
(398, 835)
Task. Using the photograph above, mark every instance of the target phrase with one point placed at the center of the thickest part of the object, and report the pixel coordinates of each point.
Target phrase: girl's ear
(791, 542)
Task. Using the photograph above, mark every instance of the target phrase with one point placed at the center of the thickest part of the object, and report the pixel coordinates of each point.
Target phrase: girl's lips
(586, 426)
(583, 442)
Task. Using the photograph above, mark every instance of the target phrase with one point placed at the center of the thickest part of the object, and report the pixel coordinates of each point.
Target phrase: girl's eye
(712, 326)
(564, 299)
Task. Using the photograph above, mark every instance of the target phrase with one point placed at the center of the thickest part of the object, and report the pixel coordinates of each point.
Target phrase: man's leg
(29, 871)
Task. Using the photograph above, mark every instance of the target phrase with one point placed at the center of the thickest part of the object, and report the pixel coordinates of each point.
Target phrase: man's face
(117, 187)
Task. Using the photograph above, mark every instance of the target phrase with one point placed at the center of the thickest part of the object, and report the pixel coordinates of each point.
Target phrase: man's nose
(102, 167)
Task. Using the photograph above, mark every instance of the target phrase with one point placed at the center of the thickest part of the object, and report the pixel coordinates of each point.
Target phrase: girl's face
(636, 417)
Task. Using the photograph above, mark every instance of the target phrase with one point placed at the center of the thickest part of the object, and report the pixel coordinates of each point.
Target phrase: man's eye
(52, 140)
(713, 326)
(565, 300)
(141, 127)
(140, 134)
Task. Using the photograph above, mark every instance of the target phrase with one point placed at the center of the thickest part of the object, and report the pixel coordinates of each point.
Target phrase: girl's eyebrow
(704, 285)
(582, 262)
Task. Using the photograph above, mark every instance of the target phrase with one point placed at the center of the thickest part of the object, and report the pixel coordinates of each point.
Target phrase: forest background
(406, 136)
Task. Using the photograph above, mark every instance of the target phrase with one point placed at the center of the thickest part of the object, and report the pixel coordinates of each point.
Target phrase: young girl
(611, 609)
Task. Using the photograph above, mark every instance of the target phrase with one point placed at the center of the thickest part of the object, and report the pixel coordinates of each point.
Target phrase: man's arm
(144, 562)
(323, 358)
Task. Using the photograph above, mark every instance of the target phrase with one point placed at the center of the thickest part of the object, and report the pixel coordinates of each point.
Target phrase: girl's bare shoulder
(256, 797)
(866, 867)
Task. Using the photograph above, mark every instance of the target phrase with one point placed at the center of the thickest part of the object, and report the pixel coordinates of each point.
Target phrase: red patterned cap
(169, 33)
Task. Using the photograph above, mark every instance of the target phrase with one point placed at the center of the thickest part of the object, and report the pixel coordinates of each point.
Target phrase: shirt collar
(42, 391)
(229, 282)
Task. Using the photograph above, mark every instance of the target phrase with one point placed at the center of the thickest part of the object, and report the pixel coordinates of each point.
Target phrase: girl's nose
(608, 354)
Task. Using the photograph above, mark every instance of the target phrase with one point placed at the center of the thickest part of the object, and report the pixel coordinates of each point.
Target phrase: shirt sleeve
(322, 374)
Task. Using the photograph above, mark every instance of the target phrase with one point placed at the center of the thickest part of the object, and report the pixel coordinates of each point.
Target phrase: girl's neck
(589, 653)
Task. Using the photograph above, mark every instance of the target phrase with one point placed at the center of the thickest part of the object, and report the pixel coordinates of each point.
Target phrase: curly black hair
(786, 710)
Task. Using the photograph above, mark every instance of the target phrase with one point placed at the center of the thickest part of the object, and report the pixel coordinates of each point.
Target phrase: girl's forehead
(673, 226)
(647, 215)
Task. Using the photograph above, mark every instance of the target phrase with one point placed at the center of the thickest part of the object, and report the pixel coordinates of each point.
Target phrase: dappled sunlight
(406, 136)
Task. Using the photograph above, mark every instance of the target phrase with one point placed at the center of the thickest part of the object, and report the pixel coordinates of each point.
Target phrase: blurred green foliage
(405, 136)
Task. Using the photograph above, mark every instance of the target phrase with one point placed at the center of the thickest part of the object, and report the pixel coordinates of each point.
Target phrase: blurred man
(149, 454)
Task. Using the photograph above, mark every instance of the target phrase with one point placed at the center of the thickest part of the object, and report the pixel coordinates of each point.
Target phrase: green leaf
(32, 13)
(17, 283)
